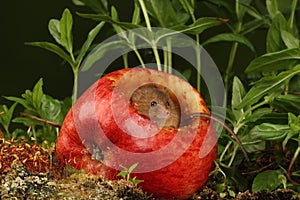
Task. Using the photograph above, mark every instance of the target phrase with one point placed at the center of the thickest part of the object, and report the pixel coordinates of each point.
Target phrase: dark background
(27, 21)
(22, 65)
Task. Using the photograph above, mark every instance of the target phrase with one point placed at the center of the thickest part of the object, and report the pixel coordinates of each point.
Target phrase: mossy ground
(23, 177)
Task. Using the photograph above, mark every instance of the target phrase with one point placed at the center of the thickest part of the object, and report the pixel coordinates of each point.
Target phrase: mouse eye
(153, 104)
(168, 104)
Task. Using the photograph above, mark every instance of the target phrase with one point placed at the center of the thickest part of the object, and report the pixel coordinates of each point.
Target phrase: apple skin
(96, 122)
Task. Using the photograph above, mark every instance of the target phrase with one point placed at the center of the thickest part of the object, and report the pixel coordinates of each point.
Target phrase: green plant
(126, 174)
(263, 98)
(42, 115)
(262, 116)
(61, 31)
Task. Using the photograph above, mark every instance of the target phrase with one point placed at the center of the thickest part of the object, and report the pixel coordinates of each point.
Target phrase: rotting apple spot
(96, 153)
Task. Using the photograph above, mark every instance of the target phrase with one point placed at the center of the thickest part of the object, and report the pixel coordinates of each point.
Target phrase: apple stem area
(201, 114)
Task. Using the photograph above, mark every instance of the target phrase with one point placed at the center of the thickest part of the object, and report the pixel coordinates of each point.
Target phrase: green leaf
(132, 167)
(66, 23)
(158, 9)
(188, 5)
(25, 103)
(199, 26)
(252, 25)
(185, 10)
(274, 41)
(274, 61)
(78, 3)
(272, 7)
(267, 85)
(289, 40)
(268, 131)
(99, 6)
(255, 139)
(115, 17)
(294, 122)
(267, 180)
(221, 8)
(290, 135)
(238, 92)
(294, 133)
(136, 17)
(287, 103)
(122, 174)
(265, 115)
(135, 181)
(54, 29)
(125, 174)
(37, 94)
(53, 48)
(51, 109)
(100, 17)
(241, 9)
(6, 116)
(251, 145)
(85, 47)
(230, 37)
(99, 53)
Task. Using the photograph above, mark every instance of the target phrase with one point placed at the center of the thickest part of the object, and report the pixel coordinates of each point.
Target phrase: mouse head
(156, 102)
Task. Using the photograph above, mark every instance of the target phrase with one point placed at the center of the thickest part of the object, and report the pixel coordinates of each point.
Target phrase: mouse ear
(172, 95)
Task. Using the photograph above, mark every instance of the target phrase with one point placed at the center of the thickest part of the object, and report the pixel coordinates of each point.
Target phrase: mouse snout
(159, 112)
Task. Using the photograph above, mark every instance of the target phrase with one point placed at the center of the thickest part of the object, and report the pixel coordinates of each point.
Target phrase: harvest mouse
(157, 103)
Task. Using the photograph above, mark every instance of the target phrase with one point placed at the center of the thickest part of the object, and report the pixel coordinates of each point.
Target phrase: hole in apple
(158, 103)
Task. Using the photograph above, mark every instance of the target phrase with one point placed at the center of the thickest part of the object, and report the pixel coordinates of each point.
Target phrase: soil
(25, 174)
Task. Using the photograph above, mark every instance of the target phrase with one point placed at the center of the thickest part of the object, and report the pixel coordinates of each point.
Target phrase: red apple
(103, 131)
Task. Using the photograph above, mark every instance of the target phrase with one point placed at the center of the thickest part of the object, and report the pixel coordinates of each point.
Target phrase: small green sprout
(125, 174)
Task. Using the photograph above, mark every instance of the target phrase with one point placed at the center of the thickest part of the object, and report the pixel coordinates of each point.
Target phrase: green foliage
(126, 174)
(6, 116)
(42, 114)
(268, 180)
(61, 31)
(264, 104)
(267, 115)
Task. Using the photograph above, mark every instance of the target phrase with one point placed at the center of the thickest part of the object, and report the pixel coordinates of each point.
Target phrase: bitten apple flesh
(103, 131)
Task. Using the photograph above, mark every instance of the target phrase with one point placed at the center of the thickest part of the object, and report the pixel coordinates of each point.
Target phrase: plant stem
(292, 163)
(225, 127)
(232, 157)
(198, 61)
(125, 60)
(294, 6)
(153, 42)
(165, 59)
(156, 55)
(169, 55)
(230, 65)
(251, 109)
(144, 10)
(225, 150)
(75, 88)
(231, 59)
(198, 53)
(41, 120)
(139, 57)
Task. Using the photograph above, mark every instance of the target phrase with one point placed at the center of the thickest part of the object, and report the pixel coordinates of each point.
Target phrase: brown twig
(289, 172)
(226, 127)
(259, 170)
(293, 92)
(1, 113)
(41, 120)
